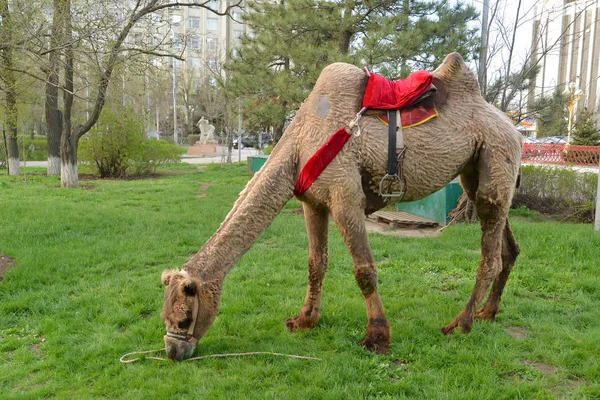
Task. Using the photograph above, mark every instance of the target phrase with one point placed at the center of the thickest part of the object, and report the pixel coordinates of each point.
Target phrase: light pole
(573, 94)
(175, 104)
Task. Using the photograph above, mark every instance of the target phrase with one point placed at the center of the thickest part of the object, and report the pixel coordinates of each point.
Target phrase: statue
(206, 132)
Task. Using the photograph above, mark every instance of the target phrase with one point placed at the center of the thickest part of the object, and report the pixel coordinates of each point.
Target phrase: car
(251, 140)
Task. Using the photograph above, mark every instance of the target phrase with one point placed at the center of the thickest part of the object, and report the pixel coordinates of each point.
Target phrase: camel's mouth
(179, 350)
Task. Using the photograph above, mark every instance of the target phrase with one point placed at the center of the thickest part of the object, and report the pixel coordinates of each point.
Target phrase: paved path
(221, 157)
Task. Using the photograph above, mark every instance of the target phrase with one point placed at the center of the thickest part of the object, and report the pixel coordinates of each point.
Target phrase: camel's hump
(454, 71)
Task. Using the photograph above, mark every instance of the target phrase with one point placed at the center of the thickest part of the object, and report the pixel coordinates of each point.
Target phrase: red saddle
(383, 94)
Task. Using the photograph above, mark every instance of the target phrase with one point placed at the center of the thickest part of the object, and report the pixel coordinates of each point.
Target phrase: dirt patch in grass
(547, 369)
(517, 332)
(6, 263)
(202, 189)
(298, 211)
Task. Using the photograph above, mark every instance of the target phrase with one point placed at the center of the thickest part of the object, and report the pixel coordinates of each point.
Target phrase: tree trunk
(54, 125)
(8, 78)
(11, 124)
(52, 113)
(69, 175)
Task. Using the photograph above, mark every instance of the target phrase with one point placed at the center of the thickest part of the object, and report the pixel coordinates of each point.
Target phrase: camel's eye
(185, 323)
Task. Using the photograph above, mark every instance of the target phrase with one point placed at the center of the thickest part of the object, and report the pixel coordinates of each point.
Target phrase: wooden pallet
(401, 220)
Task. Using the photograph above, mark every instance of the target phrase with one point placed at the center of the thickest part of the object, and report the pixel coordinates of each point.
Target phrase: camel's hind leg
(510, 251)
(492, 201)
(317, 221)
(350, 219)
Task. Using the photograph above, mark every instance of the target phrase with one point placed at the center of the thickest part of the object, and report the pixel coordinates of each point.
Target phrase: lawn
(86, 289)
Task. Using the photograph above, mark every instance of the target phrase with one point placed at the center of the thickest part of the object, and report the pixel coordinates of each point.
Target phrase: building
(566, 46)
(200, 36)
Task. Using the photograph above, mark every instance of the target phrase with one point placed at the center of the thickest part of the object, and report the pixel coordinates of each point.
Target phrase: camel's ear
(188, 287)
(166, 276)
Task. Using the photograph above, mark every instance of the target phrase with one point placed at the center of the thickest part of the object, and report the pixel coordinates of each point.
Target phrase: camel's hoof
(376, 346)
(294, 324)
(463, 325)
(485, 314)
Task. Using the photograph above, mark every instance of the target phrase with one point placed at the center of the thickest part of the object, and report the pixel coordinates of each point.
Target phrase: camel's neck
(258, 205)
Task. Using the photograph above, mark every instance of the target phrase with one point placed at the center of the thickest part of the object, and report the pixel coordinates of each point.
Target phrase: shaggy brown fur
(470, 138)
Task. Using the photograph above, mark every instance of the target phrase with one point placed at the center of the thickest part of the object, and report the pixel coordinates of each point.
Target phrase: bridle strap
(190, 332)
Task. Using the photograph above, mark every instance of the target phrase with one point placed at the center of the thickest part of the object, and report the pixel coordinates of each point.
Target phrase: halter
(189, 335)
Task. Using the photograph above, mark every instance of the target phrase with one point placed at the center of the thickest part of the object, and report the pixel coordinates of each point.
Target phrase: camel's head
(190, 308)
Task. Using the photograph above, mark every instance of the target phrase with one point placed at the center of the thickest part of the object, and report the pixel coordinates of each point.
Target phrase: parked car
(251, 140)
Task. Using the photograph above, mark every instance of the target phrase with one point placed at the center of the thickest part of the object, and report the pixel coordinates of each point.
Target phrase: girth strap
(394, 171)
(392, 126)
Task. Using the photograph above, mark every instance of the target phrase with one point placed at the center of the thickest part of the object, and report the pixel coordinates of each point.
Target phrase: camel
(470, 138)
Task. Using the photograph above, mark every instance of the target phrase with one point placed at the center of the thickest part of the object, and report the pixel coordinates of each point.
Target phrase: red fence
(561, 154)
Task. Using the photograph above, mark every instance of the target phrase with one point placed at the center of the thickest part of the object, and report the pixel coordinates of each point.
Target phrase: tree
(100, 51)
(585, 129)
(291, 41)
(9, 83)
(550, 112)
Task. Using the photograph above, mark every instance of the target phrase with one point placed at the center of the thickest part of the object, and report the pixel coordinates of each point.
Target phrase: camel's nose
(178, 350)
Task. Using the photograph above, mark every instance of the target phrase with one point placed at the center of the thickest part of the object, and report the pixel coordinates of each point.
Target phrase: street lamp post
(175, 103)
(573, 97)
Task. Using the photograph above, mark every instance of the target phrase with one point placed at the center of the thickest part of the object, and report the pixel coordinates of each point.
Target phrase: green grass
(86, 289)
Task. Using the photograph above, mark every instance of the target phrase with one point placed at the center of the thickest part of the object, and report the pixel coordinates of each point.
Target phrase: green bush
(110, 145)
(268, 149)
(30, 150)
(152, 153)
(557, 191)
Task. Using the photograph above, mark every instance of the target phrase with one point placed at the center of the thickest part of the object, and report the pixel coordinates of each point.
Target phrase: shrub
(558, 191)
(29, 149)
(109, 146)
(268, 149)
(152, 153)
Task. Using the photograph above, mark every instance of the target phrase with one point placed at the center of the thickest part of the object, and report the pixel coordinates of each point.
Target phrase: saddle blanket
(413, 116)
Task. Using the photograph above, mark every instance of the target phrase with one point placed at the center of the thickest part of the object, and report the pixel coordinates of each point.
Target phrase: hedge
(558, 191)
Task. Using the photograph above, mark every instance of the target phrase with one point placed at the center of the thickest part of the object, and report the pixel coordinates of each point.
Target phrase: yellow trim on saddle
(435, 114)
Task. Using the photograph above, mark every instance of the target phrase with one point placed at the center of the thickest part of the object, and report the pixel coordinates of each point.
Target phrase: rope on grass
(124, 359)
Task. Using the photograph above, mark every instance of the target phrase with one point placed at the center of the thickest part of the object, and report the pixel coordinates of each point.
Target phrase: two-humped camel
(470, 138)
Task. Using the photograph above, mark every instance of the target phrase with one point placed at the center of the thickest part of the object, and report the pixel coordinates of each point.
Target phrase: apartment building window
(214, 4)
(194, 42)
(212, 24)
(237, 33)
(237, 16)
(212, 43)
(212, 63)
(176, 20)
(194, 23)
(195, 62)
(175, 41)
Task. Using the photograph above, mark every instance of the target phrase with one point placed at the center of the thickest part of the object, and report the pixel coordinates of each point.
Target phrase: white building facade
(566, 46)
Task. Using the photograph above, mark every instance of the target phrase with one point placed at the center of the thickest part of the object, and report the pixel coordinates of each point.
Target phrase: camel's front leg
(351, 221)
(317, 221)
(510, 251)
(493, 221)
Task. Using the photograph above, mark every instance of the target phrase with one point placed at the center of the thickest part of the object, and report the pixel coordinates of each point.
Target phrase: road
(220, 157)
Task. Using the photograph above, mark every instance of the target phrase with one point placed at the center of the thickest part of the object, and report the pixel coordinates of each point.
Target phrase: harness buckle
(354, 122)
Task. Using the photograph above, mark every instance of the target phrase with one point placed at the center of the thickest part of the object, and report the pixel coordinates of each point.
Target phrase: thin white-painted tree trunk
(597, 223)
(69, 177)
(53, 166)
(14, 167)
